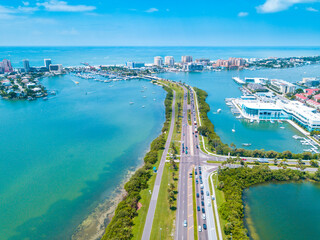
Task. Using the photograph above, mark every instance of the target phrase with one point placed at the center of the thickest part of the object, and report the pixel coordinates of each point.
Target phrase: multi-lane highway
(190, 160)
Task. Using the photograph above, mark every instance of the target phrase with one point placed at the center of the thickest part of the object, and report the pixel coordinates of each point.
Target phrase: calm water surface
(60, 157)
(283, 211)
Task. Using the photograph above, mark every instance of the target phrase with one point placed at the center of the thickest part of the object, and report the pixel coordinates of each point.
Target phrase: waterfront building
(47, 63)
(193, 67)
(311, 82)
(282, 86)
(26, 65)
(158, 61)
(231, 63)
(135, 65)
(169, 61)
(305, 116)
(316, 97)
(203, 61)
(56, 68)
(186, 59)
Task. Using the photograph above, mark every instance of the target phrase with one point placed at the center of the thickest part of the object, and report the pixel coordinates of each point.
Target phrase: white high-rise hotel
(158, 61)
(169, 61)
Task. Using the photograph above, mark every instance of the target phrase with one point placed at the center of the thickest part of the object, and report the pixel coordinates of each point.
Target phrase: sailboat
(234, 128)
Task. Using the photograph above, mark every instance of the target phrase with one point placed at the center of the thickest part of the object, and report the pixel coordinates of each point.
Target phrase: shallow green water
(60, 157)
(284, 211)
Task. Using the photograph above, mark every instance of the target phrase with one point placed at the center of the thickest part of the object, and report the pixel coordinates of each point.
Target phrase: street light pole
(160, 233)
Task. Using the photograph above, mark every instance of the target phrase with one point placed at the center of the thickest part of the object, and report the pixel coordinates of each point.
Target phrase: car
(196, 135)
(202, 197)
(204, 226)
(199, 167)
(197, 195)
(185, 224)
(198, 208)
(201, 186)
(204, 216)
(202, 203)
(197, 181)
(200, 228)
(200, 177)
(197, 146)
(201, 192)
(195, 172)
(195, 168)
(200, 172)
(208, 193)
(197, 177)
(201, 181)
(186, 152)
(203, 211)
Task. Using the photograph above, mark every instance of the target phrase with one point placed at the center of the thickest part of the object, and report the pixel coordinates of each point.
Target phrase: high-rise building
(135, 64)
(6, 66)
(47, 63)
(186, 59)
(169, 61)
(26, 65)
(158, 61)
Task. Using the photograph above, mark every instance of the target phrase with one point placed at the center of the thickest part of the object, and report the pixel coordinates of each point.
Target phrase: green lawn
(213, 207)
(164, 217)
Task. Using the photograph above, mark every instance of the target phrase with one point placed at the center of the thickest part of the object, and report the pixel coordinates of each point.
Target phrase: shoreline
(94, 225)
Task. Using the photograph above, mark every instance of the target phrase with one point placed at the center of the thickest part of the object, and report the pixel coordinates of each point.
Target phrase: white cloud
(69, 32)
(243, 14)
(151, 10)
(271, 6)
(311, 9)
(25, 3)
(62, 6)
(27, 9)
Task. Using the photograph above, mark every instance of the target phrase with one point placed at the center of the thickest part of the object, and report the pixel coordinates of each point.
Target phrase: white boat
(154, 99)
(251, 120)
(282, 127)
(144, 96)
(271, 121)
(246, 144)
(131, 103)
(143, 106)
(234, 128)
(219, 110)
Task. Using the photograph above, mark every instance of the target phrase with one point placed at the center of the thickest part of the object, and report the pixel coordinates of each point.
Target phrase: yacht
(234, 128)
(246, 144)
(219, 110)
(251, 120)
(131, 103)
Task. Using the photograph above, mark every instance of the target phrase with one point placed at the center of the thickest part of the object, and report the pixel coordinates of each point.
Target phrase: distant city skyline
(160, 23)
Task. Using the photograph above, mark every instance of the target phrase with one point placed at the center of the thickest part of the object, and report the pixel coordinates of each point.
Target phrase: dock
(238, 80)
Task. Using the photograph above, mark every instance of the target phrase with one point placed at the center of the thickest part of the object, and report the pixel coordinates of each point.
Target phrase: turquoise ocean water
(61, 157)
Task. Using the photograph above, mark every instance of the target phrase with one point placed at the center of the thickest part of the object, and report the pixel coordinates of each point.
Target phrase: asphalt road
(153, 203)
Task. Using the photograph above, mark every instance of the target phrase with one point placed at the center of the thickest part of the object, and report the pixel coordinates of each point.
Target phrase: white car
(200, 228)
(203, 216)
(185, 224)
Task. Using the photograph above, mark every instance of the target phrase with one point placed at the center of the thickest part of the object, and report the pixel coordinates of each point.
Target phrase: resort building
(311, 82)
(193, 67)
(56, 68)
(282, 86)
(158, 61)
(47, 63)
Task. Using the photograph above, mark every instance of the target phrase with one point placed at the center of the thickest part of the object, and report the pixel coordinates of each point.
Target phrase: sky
(160, 23)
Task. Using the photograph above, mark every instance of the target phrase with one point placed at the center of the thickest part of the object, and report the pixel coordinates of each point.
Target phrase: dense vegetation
(216, 145)
(121, 224)
(232, 181)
